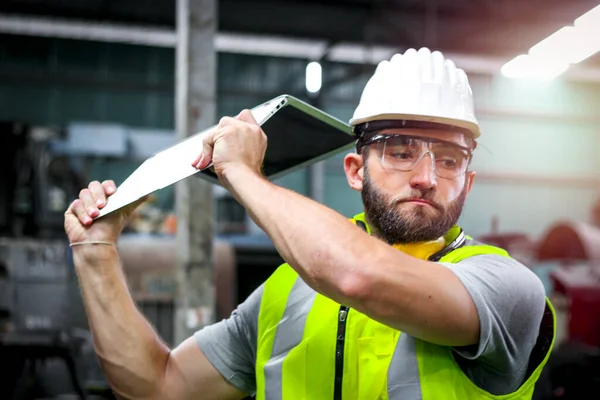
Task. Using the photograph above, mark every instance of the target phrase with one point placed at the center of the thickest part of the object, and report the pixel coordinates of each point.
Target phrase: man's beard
(408, 226)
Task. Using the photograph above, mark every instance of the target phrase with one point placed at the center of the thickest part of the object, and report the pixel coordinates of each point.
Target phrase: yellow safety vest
(310, 347)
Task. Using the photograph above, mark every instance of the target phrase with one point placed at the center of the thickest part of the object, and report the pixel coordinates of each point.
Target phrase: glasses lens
(450, 161)
(403, 153)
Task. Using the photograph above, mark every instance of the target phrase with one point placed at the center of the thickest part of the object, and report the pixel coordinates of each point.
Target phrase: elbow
(354, 288)
(161, 389)
(344, 278)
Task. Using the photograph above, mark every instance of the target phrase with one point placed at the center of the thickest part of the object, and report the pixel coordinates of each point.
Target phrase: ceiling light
(590, 19)
(314, 77)
(553, 55)
(567, 45)
(529, 67)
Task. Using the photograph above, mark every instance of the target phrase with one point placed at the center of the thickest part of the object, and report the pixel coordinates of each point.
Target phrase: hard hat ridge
(418, 85)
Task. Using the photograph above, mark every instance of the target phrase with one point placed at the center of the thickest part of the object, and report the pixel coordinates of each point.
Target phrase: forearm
(131, 353)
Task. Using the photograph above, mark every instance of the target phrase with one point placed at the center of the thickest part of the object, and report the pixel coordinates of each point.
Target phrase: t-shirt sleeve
(230, 345)
(510, 302)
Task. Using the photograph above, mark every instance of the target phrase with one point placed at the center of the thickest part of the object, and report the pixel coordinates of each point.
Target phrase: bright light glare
(568, 45)
(314, 77)
(529, 67)
(590, 19)
(552, 56)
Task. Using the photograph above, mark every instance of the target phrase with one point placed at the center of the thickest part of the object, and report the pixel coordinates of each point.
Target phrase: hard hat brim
(468, 125)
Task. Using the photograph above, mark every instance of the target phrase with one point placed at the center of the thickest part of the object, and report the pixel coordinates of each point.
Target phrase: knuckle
(83, 193)
(224, 120)
(93, 184)
(69, 209)
(76, 207)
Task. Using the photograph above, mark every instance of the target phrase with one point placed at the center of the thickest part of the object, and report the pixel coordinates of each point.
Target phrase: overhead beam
(267, 45)
(84, 30)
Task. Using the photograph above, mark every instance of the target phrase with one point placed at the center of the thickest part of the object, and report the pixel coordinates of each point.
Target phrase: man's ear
(354, 169)
(470, 180)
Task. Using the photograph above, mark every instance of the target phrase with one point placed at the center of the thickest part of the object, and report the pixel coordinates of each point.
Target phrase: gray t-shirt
(510, 301)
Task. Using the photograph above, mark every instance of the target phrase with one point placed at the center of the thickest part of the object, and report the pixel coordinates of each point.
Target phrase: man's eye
(402, 156)
(448, 163)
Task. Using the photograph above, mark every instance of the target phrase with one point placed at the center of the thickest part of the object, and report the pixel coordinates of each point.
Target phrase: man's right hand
(79, 217)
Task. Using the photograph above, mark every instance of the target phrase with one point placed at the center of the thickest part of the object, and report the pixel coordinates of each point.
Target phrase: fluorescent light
(553, 55)
(529, 67)
(314, 77)
(567, 45)
(590, 19)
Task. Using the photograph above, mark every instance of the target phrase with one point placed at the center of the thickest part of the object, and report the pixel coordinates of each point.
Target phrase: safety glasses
(403, 153)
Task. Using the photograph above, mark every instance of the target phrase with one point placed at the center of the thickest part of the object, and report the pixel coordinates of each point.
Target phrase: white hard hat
(418, 86)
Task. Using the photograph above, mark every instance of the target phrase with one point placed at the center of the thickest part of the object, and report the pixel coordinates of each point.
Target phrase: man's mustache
(423, 195)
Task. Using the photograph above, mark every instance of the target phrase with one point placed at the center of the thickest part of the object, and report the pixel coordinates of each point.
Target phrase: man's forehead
(449, 136)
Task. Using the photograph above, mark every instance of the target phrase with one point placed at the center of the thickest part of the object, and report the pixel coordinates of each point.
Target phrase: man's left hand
(236, 142)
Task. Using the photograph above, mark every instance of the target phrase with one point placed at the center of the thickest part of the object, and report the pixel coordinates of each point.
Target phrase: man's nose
(423, 173)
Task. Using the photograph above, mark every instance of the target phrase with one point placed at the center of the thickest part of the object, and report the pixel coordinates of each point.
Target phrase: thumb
(246, 116)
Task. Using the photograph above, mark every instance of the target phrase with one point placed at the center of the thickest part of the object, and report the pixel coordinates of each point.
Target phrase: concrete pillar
(195, 110)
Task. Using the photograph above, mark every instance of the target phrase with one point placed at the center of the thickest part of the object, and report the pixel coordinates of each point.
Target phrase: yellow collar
(422, 250)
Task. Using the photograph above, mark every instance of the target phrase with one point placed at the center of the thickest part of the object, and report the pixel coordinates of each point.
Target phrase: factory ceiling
(487, 28)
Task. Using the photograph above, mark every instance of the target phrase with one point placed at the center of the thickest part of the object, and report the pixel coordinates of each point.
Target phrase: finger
(78, 209)
(246, 116)
(97, 192)
(197, 159)
(88, 202)
(205, 156)
(109, 187)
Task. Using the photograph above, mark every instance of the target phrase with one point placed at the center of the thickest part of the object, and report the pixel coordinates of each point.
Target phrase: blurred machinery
(44, 338)
(570, 242)
(36, 278)
(36, 309)
(575, 247)
(39, 184)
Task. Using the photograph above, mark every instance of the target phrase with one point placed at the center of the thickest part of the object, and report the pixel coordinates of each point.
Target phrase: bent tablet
(298, 135)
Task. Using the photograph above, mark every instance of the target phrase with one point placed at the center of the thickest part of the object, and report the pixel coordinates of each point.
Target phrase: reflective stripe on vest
(297, 331)
(404, 369)
(288, 336)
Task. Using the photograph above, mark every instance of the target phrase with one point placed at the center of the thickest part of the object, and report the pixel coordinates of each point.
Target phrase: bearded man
(395, 303)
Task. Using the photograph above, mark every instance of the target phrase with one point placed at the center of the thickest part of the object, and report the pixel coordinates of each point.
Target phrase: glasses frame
(383, 137)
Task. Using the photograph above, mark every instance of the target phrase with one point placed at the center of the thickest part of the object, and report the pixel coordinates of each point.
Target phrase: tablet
(298, 135)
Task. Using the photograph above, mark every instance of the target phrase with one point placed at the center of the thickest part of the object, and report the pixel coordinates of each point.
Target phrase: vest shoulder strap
(471, 249)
